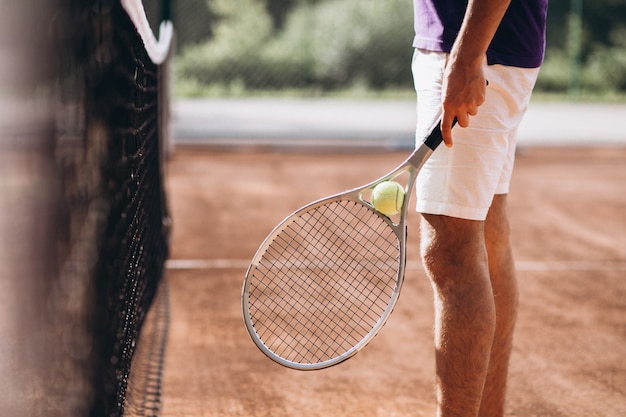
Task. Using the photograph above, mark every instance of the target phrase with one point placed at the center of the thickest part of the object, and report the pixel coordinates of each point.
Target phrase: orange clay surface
(568, 214)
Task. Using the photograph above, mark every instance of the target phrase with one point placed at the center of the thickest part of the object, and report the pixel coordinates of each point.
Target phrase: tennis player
(462, 190)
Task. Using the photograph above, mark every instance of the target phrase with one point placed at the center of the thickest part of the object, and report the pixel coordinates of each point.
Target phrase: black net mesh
(83, 213)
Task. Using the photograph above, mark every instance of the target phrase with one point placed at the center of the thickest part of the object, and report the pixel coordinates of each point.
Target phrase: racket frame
(412, 165)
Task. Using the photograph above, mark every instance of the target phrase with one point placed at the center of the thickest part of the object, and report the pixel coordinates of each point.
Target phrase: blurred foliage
(602, 49)
(321, 46)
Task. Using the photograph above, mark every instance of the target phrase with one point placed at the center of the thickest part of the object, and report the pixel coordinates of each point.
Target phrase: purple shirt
(520, 41)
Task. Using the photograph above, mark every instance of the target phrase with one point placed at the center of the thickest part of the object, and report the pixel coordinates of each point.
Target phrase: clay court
(568, 210)
(83, 235)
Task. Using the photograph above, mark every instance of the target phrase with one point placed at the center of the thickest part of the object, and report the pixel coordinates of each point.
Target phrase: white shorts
(461, 181)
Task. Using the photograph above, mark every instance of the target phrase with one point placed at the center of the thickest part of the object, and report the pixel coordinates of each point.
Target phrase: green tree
(333, 44)
(602, 47)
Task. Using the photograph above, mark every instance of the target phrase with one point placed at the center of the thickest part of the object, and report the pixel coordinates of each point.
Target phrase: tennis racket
(325, 280)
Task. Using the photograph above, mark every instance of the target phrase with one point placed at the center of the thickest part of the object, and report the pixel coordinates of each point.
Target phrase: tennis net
(85, 211)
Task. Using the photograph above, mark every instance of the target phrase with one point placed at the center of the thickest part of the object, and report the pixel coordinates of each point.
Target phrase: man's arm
(464, 81)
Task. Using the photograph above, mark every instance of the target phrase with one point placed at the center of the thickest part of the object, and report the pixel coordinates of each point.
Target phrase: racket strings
(324, 282)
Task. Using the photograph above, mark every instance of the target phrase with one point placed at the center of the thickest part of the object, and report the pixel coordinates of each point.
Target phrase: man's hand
(463, 91)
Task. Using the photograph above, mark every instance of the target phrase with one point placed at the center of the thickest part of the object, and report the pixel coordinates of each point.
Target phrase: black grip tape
(434, 139)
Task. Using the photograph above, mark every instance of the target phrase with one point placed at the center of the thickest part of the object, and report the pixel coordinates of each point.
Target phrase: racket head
(314, 294)
(324, 282)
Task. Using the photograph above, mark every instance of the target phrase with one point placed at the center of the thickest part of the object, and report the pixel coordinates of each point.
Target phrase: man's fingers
(454, 111)
(446, 129)
(463, 119)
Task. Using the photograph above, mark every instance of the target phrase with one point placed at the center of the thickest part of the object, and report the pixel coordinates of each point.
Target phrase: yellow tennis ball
(387, 197)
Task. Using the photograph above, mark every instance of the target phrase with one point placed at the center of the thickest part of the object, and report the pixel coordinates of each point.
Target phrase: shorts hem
(452, 210)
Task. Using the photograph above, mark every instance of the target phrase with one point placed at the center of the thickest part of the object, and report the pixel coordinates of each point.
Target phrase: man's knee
(444, 235)
(497, 228)
(452, 247)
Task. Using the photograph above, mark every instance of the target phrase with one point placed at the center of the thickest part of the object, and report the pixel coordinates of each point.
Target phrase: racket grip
(434, 139)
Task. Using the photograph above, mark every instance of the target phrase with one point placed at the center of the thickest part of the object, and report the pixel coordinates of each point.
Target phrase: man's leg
(455, 258)
(504, 284)
(471, 268)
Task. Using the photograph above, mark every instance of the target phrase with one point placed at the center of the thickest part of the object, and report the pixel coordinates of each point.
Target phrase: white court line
(571, 265)
(181, 264)
(206, 263)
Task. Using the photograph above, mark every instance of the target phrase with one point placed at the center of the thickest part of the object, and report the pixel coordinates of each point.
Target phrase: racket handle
(434, 139)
